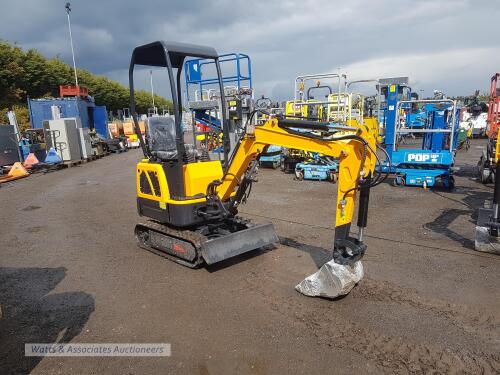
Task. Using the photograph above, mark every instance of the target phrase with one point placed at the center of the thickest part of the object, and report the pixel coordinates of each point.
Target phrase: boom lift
(487, 164)
(192, 203)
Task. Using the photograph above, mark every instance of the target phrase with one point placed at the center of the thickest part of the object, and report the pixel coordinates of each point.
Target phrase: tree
(30, 74)
(22, 115)
(11, 74)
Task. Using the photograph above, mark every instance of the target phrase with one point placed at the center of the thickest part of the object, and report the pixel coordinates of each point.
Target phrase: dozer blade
(225, 247)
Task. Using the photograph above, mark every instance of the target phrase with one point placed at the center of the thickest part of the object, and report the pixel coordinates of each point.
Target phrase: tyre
(485, 175)
(482, 176)
(299, 175)
(399, 181)
(332, 177)
(451, 183)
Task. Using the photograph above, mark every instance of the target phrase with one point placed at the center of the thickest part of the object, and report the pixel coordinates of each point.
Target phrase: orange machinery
(488, 162)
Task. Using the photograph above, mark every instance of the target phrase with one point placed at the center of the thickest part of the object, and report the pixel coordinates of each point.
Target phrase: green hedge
(29, 73)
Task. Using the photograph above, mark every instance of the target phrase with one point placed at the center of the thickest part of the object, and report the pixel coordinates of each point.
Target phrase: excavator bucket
(231, 245)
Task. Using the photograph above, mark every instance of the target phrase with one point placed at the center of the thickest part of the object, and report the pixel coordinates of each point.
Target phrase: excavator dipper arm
(353, 147)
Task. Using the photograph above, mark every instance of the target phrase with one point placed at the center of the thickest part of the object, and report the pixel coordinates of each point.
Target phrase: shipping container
(91, 116)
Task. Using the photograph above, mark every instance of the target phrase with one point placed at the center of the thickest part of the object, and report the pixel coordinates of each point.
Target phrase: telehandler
(191, 203)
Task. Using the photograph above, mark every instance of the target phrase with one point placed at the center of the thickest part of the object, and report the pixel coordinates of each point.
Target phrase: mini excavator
(191, 203)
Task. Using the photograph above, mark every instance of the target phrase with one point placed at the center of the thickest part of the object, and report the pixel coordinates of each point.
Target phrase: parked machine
(420, 136)
(392, 90)
(474, 116)
(313, 107)
(486, 164)
(191, 204)
(273, 157)
(362, 109)
(203, 98)
(317, 166)
(488, 220)
(428, 156)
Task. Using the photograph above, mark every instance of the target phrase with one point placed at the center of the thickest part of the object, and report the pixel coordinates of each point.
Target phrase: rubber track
(194, 238)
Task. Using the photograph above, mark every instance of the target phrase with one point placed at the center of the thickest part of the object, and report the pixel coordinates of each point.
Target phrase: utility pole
(68, 10)
(152, 89)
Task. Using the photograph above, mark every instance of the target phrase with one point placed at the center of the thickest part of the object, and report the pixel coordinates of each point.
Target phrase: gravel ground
(70, 271)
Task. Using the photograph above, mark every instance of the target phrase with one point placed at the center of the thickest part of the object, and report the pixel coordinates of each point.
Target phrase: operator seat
(161, 130)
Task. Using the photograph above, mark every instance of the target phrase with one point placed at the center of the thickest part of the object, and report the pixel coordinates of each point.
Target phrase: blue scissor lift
(203, 97)
(430, 157)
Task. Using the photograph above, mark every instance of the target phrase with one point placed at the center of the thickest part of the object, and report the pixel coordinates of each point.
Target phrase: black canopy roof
(153, 54)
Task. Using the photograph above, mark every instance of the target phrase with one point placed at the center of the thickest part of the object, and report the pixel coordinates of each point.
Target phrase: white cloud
(283, 37)
(459, 71)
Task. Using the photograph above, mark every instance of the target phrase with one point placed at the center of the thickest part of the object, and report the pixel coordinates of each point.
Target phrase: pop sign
(420, 157)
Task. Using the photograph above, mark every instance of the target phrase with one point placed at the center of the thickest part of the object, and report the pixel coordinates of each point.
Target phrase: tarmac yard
(70, 271)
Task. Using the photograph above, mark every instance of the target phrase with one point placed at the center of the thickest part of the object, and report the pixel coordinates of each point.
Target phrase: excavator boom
(353, 147)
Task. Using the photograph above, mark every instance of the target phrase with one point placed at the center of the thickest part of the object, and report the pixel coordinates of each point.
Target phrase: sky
(450, 45)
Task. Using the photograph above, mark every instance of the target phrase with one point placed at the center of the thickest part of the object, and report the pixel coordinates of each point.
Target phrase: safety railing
(401, 123)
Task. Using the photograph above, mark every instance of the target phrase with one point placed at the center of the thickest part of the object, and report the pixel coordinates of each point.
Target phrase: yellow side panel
(154, 176)
(197, 176)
